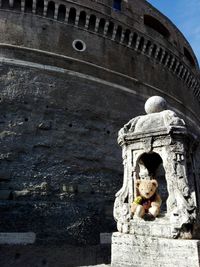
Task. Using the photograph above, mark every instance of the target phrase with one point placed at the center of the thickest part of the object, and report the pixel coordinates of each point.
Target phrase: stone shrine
(159, 147)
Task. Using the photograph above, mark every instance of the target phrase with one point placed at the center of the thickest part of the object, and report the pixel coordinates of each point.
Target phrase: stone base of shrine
(130, 250)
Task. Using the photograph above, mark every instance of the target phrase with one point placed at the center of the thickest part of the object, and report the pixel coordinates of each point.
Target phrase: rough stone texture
(138, 251)
(17, 238)
(158, 147)
(56, 255)
(53, 174)
(155, 146)
(61, 110)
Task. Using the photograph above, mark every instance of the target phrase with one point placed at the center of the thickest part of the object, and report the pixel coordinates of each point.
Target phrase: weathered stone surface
(52, 255)
(105, 238)
(5, 194)
(138, 251)
(17, 238)
(57, 181)
(145, 239)
(155, 104)
(168, 164)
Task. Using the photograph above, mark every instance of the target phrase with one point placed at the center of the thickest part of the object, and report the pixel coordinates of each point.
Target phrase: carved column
(34, 6)
(56, 11)
(11, 3)
(45, 8)
(22, 5)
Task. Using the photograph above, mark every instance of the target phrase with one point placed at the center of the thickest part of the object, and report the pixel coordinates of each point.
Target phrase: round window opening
(79, 45)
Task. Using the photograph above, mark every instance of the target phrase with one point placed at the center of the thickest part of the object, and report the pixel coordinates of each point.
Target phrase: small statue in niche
(148, 201)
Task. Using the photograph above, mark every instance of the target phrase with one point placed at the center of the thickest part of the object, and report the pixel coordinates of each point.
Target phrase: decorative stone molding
(158, 146)
(93, 21)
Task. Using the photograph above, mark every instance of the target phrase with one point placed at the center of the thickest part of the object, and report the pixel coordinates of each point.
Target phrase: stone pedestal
(161, 164)
(130, 250)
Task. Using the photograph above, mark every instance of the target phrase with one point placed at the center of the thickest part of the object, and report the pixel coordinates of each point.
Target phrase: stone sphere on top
(155, 104)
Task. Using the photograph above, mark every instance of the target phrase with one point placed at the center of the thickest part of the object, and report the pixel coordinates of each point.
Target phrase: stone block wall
(137, 251)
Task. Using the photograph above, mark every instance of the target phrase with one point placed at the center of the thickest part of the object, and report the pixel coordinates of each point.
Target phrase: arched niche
(150, 166)
(28, 6)
(5, 4)
(110, 29)
(72, 16)
(40, 7)
(156, 25)
(118, 34)
(101, 26)
(127, 36)
(61, 12)
(17, 5)
(51, 10)
(82, 19)
(92, 23)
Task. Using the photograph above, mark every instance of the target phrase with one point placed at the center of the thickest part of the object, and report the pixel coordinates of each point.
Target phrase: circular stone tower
(72, 73)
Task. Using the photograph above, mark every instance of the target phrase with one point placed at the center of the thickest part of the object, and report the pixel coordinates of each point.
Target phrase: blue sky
(185, 14)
